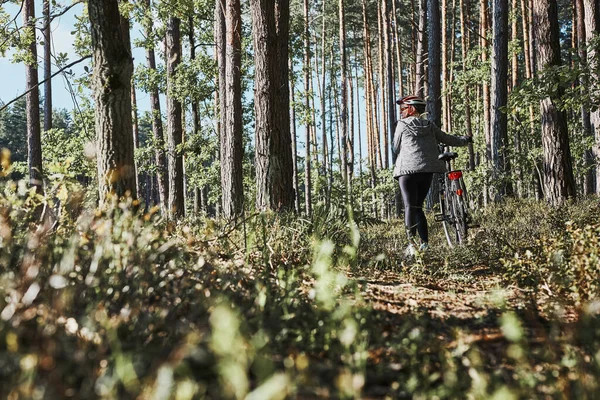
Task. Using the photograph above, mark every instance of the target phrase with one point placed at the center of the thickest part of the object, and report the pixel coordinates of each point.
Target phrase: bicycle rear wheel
(447, 211)
(460, 218)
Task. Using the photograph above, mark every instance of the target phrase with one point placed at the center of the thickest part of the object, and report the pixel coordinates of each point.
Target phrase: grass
(119, 304)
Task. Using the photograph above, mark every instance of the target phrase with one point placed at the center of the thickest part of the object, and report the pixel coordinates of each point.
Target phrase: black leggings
(414, 188)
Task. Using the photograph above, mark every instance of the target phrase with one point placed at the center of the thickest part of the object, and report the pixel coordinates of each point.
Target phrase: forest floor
(462, 309)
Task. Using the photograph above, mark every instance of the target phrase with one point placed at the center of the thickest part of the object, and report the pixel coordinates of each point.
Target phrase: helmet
(411, 100)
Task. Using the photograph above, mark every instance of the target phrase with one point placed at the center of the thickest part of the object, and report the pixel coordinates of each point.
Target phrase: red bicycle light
(454, 175)
(459, 192)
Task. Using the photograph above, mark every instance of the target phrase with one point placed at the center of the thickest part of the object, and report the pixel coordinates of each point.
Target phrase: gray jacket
(416, 144)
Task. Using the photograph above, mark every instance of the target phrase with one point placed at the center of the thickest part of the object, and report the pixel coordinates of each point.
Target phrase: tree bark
(499, 119)
(344, 93)
(295, 182)
(176, 206)
(231, 109)
(307, 160)
(32, 101)
(420, 56)
(589, 176)
(592, 22)
(559, 183)
(111, 85)
(273, 158)
(157, 126)
(47, 68)
(467, 99)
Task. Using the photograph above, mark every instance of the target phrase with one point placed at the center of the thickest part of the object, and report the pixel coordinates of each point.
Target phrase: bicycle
(454, 211)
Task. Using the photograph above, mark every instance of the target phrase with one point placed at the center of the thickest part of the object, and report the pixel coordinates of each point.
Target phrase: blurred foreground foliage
(120, 304)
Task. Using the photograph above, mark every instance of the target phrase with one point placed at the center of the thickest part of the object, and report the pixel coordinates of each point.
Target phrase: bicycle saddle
(447, 156)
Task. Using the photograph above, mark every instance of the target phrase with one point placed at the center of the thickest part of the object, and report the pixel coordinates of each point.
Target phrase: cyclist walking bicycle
(415, 143)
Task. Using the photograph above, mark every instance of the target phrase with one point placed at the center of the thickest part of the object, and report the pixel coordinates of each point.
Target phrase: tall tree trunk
(514, 82)
(444, 43)
(559, 183)
(351, 142)
(157, 126)
(32, 101)
(359, 137)
(295, 183)
(398, 48)
(344, 94)
(514, 38)
(420, 55)
(273, 159)
(221, 94)
(307, 70)
(467, 100)
(486, 86)
(174, 120)
(111, 84)
(326, 168)
(370, 105)
(592, 22)
(434, 103)
(196, 124)
(231, 137)
(136, 138)
(389, 62)
(499, 120)
(382, 83)
(449, 125)
(588, 178)
(47, 68)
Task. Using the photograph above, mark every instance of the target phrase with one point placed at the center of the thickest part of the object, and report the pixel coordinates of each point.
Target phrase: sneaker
(410, 251)
(424, 246)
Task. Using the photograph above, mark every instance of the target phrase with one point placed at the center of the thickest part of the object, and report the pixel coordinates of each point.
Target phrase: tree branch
(44, 81)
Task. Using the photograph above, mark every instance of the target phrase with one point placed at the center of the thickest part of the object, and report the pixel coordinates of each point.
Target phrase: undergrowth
(120, 304)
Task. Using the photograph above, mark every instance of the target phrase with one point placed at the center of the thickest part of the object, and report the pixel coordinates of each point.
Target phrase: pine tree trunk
(559, 183)
(231, 140)
(351, 141)
(157, 125)
(32, 101)
(359, 137)
(136, 138)
(307, 70)
(434, 103)
(499, 120)
(592, 22)
(221, 95)
(344, 94)
(174, 121)
(295, 182)
(389, 62)
(589, 176)
(111, 85)
(514, 37)
(444, 42)
(398, 49)
(465, 49)
(514, 82)
(382, 85)
(486, 86)
(47, 68)
(273, 157)
(420, 55)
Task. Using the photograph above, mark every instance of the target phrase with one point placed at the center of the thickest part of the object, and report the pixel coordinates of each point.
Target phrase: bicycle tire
(447, 211)
(460, 218)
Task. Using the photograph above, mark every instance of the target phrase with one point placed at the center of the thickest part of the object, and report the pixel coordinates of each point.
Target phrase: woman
(416, 143)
